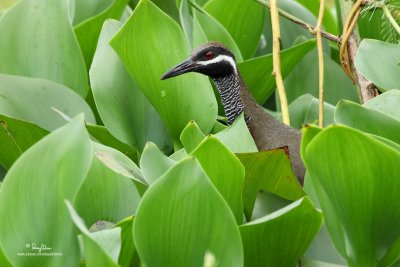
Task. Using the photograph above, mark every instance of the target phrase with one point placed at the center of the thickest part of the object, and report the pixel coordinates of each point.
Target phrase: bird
(219, 64)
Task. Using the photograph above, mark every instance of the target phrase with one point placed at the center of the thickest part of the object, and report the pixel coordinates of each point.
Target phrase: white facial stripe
(220, 58)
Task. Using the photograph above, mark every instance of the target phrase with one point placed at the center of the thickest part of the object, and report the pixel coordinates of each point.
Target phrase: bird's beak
(186, 66)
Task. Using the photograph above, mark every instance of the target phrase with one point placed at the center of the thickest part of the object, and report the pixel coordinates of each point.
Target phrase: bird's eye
(209, 55)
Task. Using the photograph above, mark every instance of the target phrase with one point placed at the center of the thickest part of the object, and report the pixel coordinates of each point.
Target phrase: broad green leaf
(315, 263)
(182, 217)
(120, 164)
(291, 33)
(186, 20)
(146, 56)
(281, 238)
(32, 197)
(98, 252)
(358, 194)
(16, 136)
(37, 40)
(128, 255)
(34, 100)
(101, 135)
(179, 155)
(243, 19)
(268, 171)
(191, 136)
(214, 31)
(89, 30)
(199, 36)
(123, 108)
(387, 103)
(305, 110)
(329, 22)
(106, 195)
(367, 120)
(225, 172)
(379, 63)
(86, 9)
(257, 72)
(3, 260)
(267, 203)
(321, 248)
(154, 163)
(170, 7)
(308, 133)
(303, 79)
(237, 137)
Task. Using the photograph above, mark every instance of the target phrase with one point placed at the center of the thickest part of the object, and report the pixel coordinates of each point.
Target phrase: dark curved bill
(186, 66)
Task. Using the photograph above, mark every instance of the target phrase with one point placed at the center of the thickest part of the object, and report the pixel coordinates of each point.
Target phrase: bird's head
(212, 59)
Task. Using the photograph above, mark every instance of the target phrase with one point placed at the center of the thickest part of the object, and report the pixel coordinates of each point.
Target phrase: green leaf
(98, 252)
(32, 197)
(123, 108)
(367, 120)
(178, 100)
(169, 7)
(38, 32)
(308, 133)
(281, 238)
(305, 110)
(128, 255)
(379, 63)
(387, 103)
(34, 100)
(101, 135)
(154, 163)
(237, 137)
(322, 248)
(182, 217)
(16, 136)
(358, 194)
(214, 31)
(329, 21)
(303, 79)
(84, 10)
(268, 171)
(89, 30)
(240, 17)
(191, 136)
(106, 195)
(257, 72)
(225, 172)
(186, 20)
(120, 164)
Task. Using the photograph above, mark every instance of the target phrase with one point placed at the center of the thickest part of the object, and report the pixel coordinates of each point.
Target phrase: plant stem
(276, 36)
(390, 18)
(320, 63)
(350, 43)
(301, 23)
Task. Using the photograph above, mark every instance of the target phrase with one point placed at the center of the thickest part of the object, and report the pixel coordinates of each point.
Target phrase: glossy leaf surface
(182, 217)
(180, 99)
(122, 106)
(354, 190)
(34, 32)
(36, 100)
(53, 175)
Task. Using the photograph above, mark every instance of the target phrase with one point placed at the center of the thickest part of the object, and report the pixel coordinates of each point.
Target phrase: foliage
(103, 164)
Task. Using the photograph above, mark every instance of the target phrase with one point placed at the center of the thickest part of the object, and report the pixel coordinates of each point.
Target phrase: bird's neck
(229, 90)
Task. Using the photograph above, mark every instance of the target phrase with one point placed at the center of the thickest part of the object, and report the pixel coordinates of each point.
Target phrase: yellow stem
(320, 63)
(276, 36)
